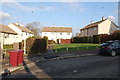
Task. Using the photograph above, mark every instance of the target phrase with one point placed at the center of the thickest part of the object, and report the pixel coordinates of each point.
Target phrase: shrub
(51, 42)
(115, 35)
(35, 45)
(96, 38)
(76, 40)
(80, 39)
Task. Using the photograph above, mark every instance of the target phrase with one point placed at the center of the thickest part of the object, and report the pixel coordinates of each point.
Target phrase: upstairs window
(60, 33)
(68, 33)
(111, 29)
(52, 32)
(94, 28)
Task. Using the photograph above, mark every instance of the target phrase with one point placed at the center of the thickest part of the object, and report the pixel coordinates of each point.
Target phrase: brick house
(7, 35)
(105, 26)
(55, 33)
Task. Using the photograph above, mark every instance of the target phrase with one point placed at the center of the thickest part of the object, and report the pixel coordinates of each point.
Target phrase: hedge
(98, 38)
(80, 39)
(35, 45)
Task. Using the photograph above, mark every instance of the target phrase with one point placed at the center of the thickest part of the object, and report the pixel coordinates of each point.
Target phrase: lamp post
(24, 46)
(56, 36)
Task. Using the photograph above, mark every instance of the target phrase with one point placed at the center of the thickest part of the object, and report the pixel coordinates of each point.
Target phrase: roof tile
(6, 29)
(57, 29)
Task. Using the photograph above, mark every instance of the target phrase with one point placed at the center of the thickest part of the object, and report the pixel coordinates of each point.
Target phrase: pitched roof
(24, 29)
(6, 29)
(93, 24)
(57, 29)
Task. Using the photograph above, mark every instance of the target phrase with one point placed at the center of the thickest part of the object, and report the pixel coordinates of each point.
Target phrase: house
(105, 26)
(54, 33)
(23, 32)
(7, 35)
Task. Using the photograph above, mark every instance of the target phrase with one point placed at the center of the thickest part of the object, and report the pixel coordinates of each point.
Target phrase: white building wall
(106, 27)
(21, 35)
(17, 30)
(57, 35)
(8, 38)
(103, 28)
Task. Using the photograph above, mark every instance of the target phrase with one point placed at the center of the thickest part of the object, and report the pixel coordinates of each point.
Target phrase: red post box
(13, 58)
(20, 59)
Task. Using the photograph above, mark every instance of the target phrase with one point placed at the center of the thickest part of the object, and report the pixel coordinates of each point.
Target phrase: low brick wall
(64, 41)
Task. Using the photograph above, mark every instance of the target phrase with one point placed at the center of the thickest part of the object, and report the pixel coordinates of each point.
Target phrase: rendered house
(7, 35)
(54, 33)
(23, 32)
(105, 26)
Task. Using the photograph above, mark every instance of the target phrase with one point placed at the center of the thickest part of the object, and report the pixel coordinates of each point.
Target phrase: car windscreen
(106, 44)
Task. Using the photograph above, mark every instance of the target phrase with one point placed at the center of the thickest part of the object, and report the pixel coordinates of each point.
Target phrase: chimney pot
(91, 21)
(53, 25)
(103, 18)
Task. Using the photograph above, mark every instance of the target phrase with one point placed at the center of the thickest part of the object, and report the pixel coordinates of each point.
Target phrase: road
(80, 67)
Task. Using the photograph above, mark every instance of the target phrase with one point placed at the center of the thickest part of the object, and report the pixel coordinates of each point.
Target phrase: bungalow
(105, 26)
(54, 33)
(7, 35)
(23, 32)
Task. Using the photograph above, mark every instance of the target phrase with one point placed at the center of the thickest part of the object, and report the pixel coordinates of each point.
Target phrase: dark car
(110, 47)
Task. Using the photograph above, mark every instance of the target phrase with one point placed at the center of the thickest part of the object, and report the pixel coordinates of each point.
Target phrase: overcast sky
(68, 14)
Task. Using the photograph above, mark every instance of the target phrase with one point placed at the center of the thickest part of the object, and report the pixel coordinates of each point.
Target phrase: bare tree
(77, 34)
(35, 27)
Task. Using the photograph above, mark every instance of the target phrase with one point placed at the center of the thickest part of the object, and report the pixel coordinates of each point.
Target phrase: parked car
(110, 47)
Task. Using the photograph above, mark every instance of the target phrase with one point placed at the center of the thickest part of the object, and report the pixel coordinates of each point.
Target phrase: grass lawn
(73, 47)
(7, 46)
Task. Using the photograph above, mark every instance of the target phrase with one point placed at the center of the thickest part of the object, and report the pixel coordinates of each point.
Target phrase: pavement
(6, 65)
(30, 61)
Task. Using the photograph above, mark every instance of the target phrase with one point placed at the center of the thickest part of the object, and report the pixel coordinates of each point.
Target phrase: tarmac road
(80, 67)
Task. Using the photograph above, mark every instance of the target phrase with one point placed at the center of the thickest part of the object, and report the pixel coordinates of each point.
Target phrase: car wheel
(113, 53)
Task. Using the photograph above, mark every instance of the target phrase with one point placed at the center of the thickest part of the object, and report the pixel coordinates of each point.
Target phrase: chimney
(62, 25)
(91, 21)
(17, 23)
(53, 25)
(103, 18)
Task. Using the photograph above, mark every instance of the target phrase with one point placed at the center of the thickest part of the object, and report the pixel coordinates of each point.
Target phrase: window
(13, 36)
(52, 32)
(119, 44)
(52, 38)
(111, 29)
(68, 33)
(21, 34)
(60, 33)
(94, 28)
(115, 44)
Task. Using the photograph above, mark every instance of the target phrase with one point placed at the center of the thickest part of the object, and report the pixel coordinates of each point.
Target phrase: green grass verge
(7, 46)
(74, 47)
